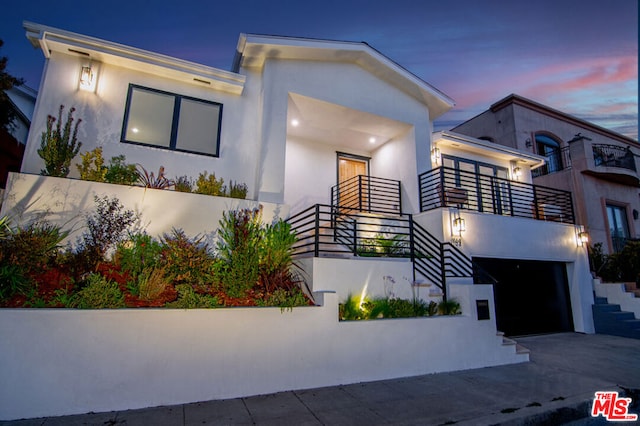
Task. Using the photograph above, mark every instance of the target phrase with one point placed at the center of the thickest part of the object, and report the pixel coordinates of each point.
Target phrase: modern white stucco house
(338, 138)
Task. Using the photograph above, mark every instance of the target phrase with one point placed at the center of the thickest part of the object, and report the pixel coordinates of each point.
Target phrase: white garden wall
(61, 361)
(66, 201)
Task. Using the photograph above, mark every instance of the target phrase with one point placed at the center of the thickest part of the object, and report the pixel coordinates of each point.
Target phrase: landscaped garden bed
(114, 264)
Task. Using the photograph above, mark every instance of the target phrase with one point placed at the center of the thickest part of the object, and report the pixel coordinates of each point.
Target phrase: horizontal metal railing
(368, 194)
(555, 162)
(330, 231)
(448, 187)
(613, 156)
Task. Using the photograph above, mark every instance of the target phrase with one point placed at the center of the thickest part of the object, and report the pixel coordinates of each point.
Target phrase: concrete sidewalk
(556, 387)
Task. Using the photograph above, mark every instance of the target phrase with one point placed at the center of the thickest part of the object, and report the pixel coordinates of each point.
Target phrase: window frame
(615, 241)
(173, 137)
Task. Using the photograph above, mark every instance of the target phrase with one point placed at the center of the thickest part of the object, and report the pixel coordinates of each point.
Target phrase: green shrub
(623, 266)
(209, 185)
(13, 280)
(286, 299)
(32, 247)
(183, 184)
(58, 146)
(120, 172)
(186, 260)
(238, 249)
(449, 307)
(92, 167)
(99, 293)
(139, 252)
(236, 190)
(350, 309)
(189, 299)
(5, 227)
(276, 256)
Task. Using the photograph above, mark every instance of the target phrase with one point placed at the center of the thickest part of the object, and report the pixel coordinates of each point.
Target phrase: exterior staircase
(608, 318)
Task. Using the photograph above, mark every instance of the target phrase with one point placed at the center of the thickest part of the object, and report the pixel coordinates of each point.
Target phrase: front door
(352, 191)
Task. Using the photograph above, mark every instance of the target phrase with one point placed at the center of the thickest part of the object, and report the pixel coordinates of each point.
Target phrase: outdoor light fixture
(517, 172)
(435, 155)
(87, 78)
(458, 226)
(582, 237)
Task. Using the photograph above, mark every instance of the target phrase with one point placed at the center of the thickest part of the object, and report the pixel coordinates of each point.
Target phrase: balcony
(448, 187)
(613, 156)
(368, 194)
(555, 162)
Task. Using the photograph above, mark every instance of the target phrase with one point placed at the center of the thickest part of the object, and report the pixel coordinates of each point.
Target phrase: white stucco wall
(102, 115)
(59, 362)
(505, 237)
(65, 202)
(349, 86)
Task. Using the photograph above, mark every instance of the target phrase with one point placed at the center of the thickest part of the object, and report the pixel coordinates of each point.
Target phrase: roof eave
(50, 39)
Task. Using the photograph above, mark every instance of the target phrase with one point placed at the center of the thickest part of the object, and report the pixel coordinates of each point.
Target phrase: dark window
(170, 121)
(618, 226)
(549, 148)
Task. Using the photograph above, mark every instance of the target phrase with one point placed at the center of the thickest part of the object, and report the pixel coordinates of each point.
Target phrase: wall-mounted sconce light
(528, 143)
(516, 173)
(435, 155)
(582, 237)
(87, 78)
(458, 226)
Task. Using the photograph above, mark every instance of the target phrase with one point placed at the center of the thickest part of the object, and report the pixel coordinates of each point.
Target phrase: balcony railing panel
(330, 231)
(613, 156)
(368, 194)
(556, 161)
(448, 187)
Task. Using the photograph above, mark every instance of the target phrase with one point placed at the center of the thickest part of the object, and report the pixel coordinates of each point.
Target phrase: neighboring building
(599, 166)
(12, 143)
(23, 100)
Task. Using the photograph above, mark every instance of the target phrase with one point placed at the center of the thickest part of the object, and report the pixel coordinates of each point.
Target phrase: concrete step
(608, 318)
(606, 308)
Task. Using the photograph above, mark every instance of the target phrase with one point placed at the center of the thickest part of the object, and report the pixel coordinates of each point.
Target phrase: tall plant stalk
(59, 145)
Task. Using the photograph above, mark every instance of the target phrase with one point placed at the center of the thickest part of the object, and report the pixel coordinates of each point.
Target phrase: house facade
(337, 138)
(598, 166)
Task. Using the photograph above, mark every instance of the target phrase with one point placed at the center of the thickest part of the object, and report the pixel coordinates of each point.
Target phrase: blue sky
(577, 56)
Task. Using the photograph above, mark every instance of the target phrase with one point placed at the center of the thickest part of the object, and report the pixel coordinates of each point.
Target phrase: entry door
(351, 193)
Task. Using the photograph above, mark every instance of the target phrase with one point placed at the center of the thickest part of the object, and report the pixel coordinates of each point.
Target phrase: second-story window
(549, 148)
(618, 226)
(170, 121)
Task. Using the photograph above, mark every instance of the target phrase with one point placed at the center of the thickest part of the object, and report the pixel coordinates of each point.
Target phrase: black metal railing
(324, 230)
(557, 161)
(448, 187)
(613, 156)
(368, 194)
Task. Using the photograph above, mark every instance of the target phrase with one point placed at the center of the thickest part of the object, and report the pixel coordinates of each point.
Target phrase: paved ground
(556, 387)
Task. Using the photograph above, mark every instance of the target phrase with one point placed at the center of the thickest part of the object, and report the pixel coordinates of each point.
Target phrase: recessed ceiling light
(372, 140)
(295, 122)
(135, 130)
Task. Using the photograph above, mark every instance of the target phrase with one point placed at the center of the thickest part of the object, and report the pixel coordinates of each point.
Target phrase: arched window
(549, 148)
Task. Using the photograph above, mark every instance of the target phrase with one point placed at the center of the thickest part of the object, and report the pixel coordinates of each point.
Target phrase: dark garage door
(531, 296)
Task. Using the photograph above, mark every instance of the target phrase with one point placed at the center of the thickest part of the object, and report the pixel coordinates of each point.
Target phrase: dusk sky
(577, 56)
